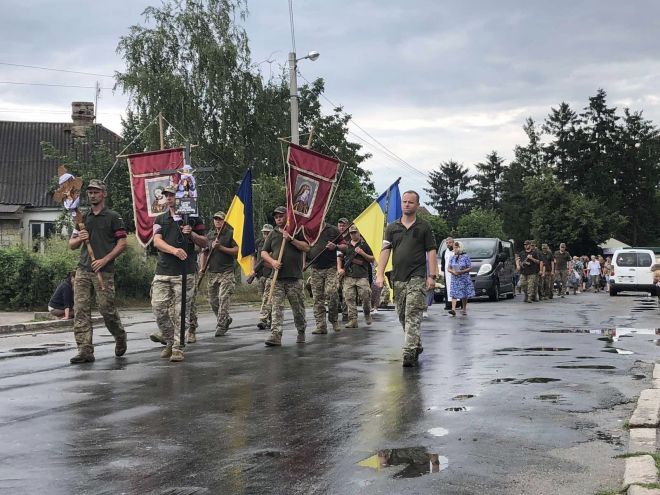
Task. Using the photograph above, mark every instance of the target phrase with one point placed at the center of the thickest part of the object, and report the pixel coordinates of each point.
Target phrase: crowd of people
(341, 266)
(343, 272)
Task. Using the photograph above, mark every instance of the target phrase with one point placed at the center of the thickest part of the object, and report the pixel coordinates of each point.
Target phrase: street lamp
(293, 91)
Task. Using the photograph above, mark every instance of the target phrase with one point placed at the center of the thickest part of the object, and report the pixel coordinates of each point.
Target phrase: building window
(39, 231)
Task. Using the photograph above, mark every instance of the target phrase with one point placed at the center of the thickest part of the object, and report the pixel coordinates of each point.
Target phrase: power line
(51, 85)
(56, 70)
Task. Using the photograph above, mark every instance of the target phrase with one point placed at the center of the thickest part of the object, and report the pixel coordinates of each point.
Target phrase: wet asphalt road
(515, 398)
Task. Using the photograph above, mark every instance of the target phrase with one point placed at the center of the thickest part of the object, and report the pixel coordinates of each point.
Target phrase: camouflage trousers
(86, 283)
(291, 289)
(221, 286)
(266, 309)
(261, 285)
(324, 290)
(528, 285)
(166, 305)
(410, 302)
(192, 328)
(546, 285)
(562, 278)
(354, 287)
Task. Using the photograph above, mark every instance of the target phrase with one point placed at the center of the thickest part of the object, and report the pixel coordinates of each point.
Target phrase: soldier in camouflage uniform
(221, 280)
(562, 259)
(547, 273)
(175, 248)
(263, 272)
(289, 282)
(412, 241)
(324, 279)
(356, 270)
(105, 231)
(528, 264)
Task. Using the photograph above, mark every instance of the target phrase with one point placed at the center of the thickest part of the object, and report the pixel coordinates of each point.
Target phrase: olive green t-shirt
(292, 259)
(529, 267)
(220, 262)
(170, 229)
(327, 258)
(356, 266)
(547, 259)
(561, 260)
(409, 248)
(262, 268)
(105, 229)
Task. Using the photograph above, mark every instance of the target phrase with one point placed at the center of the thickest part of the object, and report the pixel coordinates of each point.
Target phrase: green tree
(488, 182)
(563, 152)
(480, 223)
(531, 156)
(447, 184)
(438, 226)
(516, 213)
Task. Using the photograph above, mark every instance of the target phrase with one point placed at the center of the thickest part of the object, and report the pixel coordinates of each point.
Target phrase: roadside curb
(40, 326)
(640, 467)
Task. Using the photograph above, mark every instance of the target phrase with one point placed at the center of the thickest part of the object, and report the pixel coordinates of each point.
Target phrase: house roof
(25, 175)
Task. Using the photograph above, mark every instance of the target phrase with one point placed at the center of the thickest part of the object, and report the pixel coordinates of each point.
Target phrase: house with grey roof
(28, 212)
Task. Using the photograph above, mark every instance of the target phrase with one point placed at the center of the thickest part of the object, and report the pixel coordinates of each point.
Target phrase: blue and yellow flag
(239, 217)
(371, 222)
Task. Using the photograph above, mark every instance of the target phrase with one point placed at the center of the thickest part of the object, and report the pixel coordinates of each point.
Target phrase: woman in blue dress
(461, 285)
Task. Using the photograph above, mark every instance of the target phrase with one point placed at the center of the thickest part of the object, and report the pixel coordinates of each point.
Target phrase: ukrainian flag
(371, 222)
(239, 217)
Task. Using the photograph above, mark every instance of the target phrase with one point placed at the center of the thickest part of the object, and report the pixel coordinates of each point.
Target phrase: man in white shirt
(594, 273)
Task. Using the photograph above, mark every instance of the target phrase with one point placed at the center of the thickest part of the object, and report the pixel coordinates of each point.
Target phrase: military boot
(192, 338)
(369, 319)
(274, 340)
(320, 330)
(177, 355)
(220, 331)
(263, 325)
(351, 324)
(300, 339)
(335, 326)
(409, 359)
(157, 337)
(85, 355)
(167, 352)
(120, 345)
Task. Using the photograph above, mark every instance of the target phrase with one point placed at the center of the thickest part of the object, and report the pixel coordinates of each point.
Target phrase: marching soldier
(340, 246)
(528, 263)
(166, 289)
(562, 259)
(547, 272)
(289, 282)
(324, 279)
(105, 231)
(356, 270)
(263, 272)
(221, 254)
(412, 240)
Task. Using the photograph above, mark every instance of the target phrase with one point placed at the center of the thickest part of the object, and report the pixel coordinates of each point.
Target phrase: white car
(631, 271)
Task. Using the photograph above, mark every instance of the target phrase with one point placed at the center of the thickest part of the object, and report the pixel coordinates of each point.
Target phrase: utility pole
(293, 92)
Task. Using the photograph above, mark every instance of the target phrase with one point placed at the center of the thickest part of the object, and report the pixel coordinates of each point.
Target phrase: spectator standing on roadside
(594, 273)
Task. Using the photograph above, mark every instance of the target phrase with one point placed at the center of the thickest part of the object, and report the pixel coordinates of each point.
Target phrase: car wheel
(495, 295)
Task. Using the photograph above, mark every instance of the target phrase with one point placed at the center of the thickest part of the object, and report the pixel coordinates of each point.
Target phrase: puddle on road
(639, 377)
(533, 349)
(438, 432)
(536, 379)
(555, 398)
(417, 461)
(610, 334)
(616, 350)
(586, 367)
(457, 409)
(463, 397)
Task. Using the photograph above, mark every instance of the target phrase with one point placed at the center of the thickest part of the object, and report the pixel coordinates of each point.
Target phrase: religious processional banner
(150, 173)
(310, 183)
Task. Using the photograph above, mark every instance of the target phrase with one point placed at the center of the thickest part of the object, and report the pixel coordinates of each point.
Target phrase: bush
(31, 278)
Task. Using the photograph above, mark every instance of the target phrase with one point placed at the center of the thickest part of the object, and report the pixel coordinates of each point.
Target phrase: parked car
(493, 266)
(631, 271)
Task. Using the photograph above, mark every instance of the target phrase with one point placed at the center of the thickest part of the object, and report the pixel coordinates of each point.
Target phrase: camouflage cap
(280, 210)
(545, 245)
(267, 228)
(96, 184)
(169, 189)
(342, 220)
(219, 214)
(353, 228)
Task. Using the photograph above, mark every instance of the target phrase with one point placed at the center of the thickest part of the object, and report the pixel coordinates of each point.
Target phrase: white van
(631, 270)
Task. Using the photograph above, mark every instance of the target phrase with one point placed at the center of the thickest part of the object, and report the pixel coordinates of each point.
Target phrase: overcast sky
(432, 80)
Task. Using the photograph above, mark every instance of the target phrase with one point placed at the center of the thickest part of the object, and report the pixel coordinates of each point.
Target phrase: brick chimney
(82, 114)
